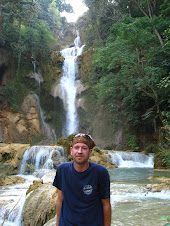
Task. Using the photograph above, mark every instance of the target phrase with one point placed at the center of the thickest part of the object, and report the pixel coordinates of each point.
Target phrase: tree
(10, 9)
(128, 70)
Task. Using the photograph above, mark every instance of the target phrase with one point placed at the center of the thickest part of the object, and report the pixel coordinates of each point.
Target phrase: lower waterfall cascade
(131, 159)
(37, 163)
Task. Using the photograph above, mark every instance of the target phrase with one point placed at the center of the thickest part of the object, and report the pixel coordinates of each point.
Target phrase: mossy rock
(36, 184)
(65, 143)
(40, 206)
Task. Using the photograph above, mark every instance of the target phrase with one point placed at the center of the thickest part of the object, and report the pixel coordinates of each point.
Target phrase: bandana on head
(83, 138)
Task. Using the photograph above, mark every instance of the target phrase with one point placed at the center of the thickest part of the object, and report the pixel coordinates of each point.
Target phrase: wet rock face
(4, 61)
(40, 205)
(11, 157)
(15, 126)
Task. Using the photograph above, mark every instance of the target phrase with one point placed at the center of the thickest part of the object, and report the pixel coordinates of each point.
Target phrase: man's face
(80, 153)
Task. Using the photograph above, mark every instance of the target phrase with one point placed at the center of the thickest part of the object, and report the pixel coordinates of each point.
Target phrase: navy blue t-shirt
(82, 194)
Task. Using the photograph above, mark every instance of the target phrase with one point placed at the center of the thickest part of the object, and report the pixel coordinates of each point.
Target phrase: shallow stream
(132, 203)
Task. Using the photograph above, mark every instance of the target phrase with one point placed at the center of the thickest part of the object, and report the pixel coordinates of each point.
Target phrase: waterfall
(36, 76)
(68, 86)
(131, 159)
(41, 158)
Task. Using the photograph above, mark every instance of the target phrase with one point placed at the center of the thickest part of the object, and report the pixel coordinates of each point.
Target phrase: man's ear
(90, 152)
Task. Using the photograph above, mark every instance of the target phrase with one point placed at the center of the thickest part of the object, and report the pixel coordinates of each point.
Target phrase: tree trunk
(98, 32)
(149, 17)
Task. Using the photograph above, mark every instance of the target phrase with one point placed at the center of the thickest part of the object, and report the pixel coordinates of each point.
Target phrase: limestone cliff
(18, 126)
(10, 158)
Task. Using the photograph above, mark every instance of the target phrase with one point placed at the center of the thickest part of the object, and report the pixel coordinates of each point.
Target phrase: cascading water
(131, 159)
(36, 76)
(68, 86)
(40, 157)
(37, 162)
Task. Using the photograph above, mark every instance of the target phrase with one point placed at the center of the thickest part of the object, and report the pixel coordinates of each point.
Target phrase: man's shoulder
(98, 167)
(64, 165)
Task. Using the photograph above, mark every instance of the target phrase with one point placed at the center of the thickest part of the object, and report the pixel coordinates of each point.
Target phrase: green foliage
(29, 169)
(96, 150)
(14, 93)
(165, 218)
(65, 143)
(132, 142)
(128, 69)
(152, 148)
(33, 139)
(162, 159)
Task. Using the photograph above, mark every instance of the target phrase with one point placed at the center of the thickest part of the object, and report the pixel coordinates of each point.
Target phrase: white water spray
(131, 159)
(68, 86)
(40, 157)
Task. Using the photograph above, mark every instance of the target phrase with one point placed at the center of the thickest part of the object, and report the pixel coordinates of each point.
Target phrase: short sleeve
(57, 180)
(104, 184)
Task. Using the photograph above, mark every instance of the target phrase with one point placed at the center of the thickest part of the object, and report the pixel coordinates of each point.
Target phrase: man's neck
(81, 167)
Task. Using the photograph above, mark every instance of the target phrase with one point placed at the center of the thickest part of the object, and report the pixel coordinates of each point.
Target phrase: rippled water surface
(132, 203)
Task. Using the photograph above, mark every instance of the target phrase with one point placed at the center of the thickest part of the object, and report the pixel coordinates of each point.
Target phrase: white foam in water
(12, 200)
(131, 159)
(41, 157)
(125, 193)
(12, 197)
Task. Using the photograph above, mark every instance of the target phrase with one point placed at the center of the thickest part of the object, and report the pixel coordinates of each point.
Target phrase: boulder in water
(51, 222)
(36, 184)
(157, 187)
(40, 206)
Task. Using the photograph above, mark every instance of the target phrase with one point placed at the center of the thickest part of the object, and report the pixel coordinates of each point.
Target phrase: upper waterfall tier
(69, 87)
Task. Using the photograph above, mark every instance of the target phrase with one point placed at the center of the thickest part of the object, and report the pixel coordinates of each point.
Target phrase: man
(83, 188)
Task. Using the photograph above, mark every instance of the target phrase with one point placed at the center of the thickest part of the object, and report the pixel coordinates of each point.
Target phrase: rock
(40, 206)
(29, 103)
(11, 156)
(100, 158)
(27, 122)
(36, 184)
(51, 222)
(157, 187)
(13, 180)
(159, 178)
(57, 58)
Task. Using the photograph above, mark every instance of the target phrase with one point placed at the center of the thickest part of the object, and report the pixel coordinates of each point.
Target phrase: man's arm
(106, 211)
(58, 205)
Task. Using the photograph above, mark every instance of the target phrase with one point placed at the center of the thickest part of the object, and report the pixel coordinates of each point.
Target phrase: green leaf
(163, 218)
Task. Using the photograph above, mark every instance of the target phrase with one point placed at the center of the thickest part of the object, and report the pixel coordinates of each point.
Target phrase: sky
(78, 7)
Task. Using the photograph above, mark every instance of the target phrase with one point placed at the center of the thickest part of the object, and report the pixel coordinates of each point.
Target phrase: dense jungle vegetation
(129, 40)
(28, 30)
(131, 65)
